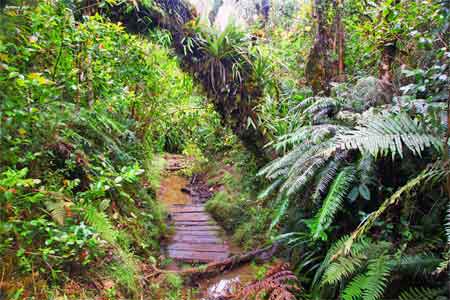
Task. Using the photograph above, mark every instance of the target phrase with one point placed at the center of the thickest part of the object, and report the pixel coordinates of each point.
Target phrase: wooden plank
(197, 228)
(187, 209)
(192, 256)
(206, 234)
(194, 223)
(191, 217)
(199, 247)
(197, 239)
(195, 233)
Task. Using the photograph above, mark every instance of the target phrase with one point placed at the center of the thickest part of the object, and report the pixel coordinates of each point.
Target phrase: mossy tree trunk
(318, 68)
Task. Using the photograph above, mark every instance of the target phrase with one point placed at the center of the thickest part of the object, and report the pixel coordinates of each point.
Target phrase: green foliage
(332, 203)
(381, 135)
(421, 293)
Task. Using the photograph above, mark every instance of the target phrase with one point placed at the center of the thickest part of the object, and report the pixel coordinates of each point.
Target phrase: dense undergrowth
(85, 107)
(356, 160)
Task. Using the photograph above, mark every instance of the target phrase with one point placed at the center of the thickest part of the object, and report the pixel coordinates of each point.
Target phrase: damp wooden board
(214, 228)
(195, 256)
(199, 247)
(203, 234)
(195, 223)
(187, 209)
(192, 239)
(191, 217)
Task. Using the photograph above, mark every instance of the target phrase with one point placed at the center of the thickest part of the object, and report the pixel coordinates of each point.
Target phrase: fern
(421, 293)
(357, 248)
(326, 177)
(372, 284)
(333, 201)
(57, 210)
(383, 134)
(399, 194)
(100, 222)
(279, 283)
(341, 269)
(279, 212)
(417, 264)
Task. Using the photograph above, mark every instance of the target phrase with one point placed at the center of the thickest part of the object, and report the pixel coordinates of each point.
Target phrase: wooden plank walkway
(197, 236)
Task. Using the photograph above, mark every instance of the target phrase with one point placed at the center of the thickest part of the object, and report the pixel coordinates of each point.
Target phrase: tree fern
(333, 201)
(385, 134)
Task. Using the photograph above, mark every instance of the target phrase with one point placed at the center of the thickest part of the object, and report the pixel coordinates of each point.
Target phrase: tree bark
(340, 41)
(386, 64)
(318, 68)
(385, 68)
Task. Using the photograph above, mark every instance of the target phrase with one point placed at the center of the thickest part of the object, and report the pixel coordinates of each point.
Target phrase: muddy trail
(197, 239)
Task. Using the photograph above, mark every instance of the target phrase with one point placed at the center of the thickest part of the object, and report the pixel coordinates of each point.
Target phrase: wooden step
(197, 228)
(194, 256)
(187, 209)
(192, 239)
(199, 247)
(195, 223)
(191, 217)
(211, 234)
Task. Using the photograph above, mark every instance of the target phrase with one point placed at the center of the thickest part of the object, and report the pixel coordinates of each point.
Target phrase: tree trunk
(340, 41)
(387, 62)
(318, 68)
(385, 69)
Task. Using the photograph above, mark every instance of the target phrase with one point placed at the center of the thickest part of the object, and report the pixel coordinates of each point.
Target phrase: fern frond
(354, 290)
(371, 284)
(378, 274)
(270, 189)
(279, 283)
(399, 194)
(421, 293)
(326, 177)
(358, 249)
(417, 264)
(341, 269)
(383, 134)
(281, 210)
(57, 210)
(333, 201)
(100, 222)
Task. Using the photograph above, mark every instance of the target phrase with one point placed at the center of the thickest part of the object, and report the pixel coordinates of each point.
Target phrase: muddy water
(170, 190)
(224, 283)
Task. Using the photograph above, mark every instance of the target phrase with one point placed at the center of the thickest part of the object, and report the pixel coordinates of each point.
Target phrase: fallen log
(192, 275)
(260, 255)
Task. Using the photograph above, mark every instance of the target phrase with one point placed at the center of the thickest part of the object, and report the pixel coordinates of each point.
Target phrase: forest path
(198, 238)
